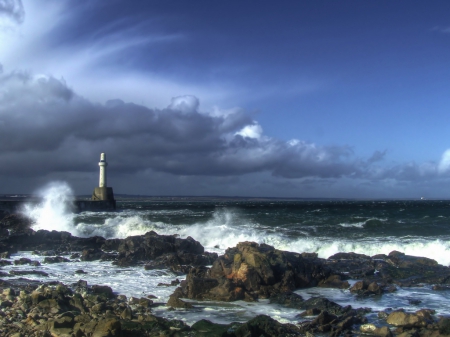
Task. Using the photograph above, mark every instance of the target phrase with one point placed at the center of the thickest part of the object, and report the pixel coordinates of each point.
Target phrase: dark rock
(56, 259)
(263, 325)
(15, 224)
(161, 251)
(5, 263)
(310, 312)
(28, 272)
(324, 318)
(205, 328)
(440, 287)
(102, 290)
(324, 305)
(444, 325)
(288, 299)
(366, 288)
(250, 270)
(334, 281)
(91, 254)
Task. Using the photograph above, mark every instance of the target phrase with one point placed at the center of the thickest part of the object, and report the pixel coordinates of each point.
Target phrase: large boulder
(250, 271)
(403, 319)
(172, 251)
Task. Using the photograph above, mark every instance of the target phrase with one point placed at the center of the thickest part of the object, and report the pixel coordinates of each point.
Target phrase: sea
(325, 227)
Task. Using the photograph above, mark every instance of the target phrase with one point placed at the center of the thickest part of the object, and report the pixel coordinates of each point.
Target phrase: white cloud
(444, 164)
(251, 131)
(187, 104)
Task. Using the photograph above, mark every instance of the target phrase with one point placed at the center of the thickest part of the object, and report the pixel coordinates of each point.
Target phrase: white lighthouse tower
(102, 164)
(102, 192)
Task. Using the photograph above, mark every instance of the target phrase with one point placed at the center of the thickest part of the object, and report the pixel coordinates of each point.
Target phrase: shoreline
(243, 279)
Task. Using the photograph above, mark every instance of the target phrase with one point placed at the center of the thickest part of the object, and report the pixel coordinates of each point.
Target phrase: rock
(5, 263)
(91, 254)
(399, 318)
(440, 287)
(205, 328)
(175, 301)
(28, 272)
(15, 224)
(383, 331)
(250, 271)
(263, 325)
(401, 260)
(310, 312)
(367, 328)
(324, 304)
(150, 246)
(105, 291)
(127, 313)
(56, 259)
(109, 327)
(444, 325)
(334, 281)
(356, 266)
(366, 288)
(324, 318)
(288, 299)
(24, 260)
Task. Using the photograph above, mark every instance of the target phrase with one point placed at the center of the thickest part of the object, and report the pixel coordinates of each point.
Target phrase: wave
(54, 212)
(226, 228)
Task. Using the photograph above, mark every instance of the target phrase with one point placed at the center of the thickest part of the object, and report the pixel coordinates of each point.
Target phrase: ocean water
(418, 228)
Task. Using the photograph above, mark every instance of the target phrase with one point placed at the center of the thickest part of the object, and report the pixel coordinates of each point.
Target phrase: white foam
(54, 212)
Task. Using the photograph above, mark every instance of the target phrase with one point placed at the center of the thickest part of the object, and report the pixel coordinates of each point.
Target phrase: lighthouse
(102, 192)
(102, 164)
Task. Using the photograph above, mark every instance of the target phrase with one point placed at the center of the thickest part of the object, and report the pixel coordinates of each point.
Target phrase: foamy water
(322, 230)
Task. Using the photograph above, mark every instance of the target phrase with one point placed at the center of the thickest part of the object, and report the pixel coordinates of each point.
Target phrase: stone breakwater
(249, 272)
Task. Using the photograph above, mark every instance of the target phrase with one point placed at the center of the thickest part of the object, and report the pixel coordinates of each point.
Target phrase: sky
(305, 99)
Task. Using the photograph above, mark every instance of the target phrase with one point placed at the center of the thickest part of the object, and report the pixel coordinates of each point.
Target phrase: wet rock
(205, 328)
(440, 287)
(334, 281)
(15, 224)
(24, 260)
(28, 272)
(56, 259)
(402, 260)
(324, 304)
(5, 263)
(288, 299)
(91, 254)
(399, 318)
(356, 266)
(366, 288)
(444, 325)
(310, 312)
(250, 270)
(104, 291)
(263, 325)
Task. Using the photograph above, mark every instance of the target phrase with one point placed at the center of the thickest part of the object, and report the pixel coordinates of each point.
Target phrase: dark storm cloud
(12, 9)
(46, 127)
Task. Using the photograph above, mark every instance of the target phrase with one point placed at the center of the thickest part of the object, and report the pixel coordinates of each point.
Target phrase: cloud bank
(46, 127)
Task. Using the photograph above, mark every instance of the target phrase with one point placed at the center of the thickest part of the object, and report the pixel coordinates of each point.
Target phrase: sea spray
(54, 212)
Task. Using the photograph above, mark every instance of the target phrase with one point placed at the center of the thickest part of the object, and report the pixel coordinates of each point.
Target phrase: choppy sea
(420, 228)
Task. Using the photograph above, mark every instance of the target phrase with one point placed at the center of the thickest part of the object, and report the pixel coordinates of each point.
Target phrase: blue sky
(249, 98)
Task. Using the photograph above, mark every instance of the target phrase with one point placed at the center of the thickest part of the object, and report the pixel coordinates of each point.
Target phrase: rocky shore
(248, 272)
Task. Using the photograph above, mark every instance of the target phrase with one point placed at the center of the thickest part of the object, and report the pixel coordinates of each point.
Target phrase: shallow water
(419, 228)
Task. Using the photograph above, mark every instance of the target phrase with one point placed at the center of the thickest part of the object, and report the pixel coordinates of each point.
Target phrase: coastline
(232, 276)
